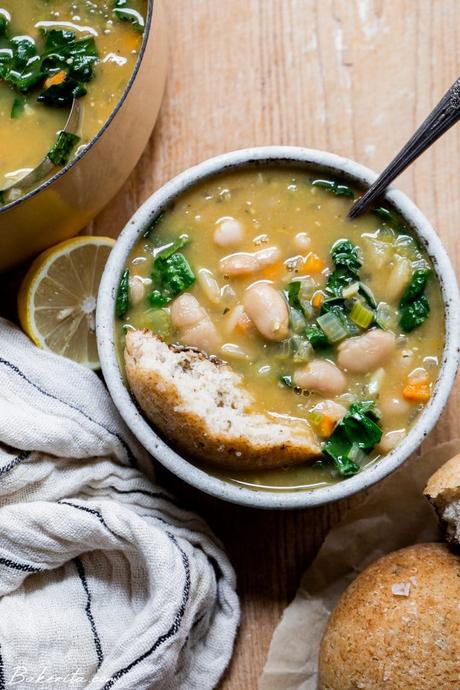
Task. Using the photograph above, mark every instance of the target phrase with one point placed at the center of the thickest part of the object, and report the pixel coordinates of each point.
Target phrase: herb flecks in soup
(53, 52)
(332, 321)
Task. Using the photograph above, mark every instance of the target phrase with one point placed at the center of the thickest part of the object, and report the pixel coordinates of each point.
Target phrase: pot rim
(324, 162)
(86, 149)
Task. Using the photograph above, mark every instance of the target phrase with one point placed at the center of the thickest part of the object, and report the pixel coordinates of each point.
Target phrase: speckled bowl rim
(310, 159)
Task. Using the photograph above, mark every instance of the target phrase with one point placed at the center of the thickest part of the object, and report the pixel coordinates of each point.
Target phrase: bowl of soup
(104, 61)
(267, 349)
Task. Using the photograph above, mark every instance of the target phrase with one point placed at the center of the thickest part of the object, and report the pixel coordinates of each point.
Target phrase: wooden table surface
(350, 76)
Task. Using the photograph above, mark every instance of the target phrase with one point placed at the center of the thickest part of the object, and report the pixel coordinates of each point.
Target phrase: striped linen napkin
(104, 581)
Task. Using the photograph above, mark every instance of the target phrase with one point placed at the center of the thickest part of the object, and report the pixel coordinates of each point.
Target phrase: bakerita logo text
(45, 678)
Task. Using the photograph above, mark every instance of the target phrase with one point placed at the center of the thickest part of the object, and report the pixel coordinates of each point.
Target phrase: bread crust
(443, 491)
(444, 485)
(397, 625)
(164, 404)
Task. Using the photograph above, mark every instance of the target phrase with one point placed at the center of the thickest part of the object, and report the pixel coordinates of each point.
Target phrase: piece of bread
(397, 625)
(443, 491)
(198, 404)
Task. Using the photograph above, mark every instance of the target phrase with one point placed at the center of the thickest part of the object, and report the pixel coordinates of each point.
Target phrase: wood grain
(351, 76)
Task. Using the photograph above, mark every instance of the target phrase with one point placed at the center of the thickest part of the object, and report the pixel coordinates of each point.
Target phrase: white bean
(193, 323)
(235, 351)
(239, 264)
(229, 232)
(398, 278)
(233, 317)
(244, 263)
(390, 440)
(331, 409)
(268, 256)
(302, 241)
(366, 352)
(267, 309)
(322, 377)
(209, 285)
(393, 406)
(136, 290)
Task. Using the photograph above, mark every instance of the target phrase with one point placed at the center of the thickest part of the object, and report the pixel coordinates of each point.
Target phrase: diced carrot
(274, 271)
(244, 324)
(313, 264)
(317, 299)
(56, 79)
(326, 426)
(417, 392)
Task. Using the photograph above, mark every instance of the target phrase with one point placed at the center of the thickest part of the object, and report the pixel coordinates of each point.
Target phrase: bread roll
(443, 490)
(397, 626)
(198, 403)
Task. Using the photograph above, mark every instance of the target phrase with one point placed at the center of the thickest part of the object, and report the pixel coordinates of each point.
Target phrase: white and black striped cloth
(104, 581)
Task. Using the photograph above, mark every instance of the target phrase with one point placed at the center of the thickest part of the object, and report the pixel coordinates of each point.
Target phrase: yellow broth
(26, 139)
(282, 208)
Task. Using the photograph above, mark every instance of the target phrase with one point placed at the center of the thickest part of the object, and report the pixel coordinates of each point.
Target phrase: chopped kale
(414, 307)
(63, 147)
(62, 51)
(339, 279)
(345, 254)
(385, 215)
(17, 108)
(412, 315)
(125, 13)
(171, 274)
(172, 248)
(334, 188)
(416, 286)
(23, 67)
(286, 381)
(122, 299)
(347, 261)
(62, 95)
(20, 64)
(316, 337)
(358, 429)
(4, 24)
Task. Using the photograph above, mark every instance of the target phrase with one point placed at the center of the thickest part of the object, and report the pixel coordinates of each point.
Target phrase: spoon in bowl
(39, 173)
(444, 115)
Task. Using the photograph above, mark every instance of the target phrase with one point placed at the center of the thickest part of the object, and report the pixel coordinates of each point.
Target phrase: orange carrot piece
(417, 392)
(317, 299)
(244, 324)
(274, 271)
(326, 426)
(56, 79)
(313, 264)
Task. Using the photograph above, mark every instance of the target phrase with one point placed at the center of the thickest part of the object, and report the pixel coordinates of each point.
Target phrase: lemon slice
(57, 298)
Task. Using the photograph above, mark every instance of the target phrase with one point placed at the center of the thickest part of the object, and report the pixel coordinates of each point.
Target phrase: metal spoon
(36, 175)
(444, 115)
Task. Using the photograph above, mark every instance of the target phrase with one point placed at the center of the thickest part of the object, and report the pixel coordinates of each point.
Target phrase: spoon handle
(444, 115)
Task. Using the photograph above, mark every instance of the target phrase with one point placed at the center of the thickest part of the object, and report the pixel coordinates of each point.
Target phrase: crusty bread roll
(197, 402)
(443, 490)
(397, 625)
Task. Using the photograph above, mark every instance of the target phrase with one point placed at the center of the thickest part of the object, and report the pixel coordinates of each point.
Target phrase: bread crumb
(401, 589)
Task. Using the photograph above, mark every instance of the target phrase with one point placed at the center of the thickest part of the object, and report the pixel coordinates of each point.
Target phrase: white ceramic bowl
(320, 162)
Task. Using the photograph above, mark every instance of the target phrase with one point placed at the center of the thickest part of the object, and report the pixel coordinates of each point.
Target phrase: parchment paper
(393, 515)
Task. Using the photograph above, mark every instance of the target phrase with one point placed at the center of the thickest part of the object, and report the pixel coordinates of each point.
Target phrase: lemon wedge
(57, 298)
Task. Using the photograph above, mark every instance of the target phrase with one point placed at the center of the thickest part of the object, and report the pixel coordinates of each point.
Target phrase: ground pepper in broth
(333, 321)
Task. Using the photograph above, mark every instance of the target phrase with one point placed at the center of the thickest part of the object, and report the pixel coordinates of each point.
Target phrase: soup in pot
(52, 52)
(336, 322)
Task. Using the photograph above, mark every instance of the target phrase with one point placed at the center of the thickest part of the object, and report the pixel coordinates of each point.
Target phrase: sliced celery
(361, 315)
(332, 326)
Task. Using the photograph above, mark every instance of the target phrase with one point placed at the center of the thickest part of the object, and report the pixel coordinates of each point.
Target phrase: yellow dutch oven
(63, 204)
